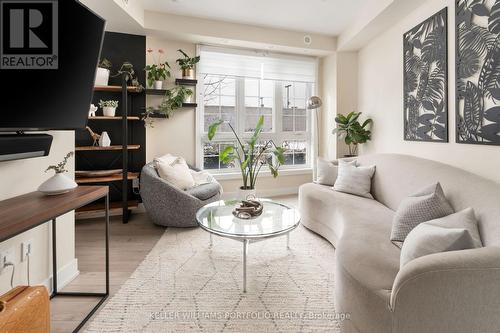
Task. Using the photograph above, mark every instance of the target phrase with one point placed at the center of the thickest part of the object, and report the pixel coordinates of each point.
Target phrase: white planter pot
(158, 85)
(109, 111)
(57, 184)
(246, 194)
(102, 77)
(104, 140)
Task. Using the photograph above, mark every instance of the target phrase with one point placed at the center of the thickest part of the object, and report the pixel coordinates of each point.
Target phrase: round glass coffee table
(276, 220)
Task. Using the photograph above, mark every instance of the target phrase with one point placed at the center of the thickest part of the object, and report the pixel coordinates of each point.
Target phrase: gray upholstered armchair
(167, 205)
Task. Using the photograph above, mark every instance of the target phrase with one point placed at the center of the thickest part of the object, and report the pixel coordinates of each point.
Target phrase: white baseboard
(65, 275)
(266, 193)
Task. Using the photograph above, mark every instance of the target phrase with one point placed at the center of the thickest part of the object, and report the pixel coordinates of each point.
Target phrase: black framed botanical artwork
(426, 80)
(478, 71)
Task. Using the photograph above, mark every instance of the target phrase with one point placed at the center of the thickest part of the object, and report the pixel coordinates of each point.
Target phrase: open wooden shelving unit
(115, 147)
(112, 178)
(113, 118)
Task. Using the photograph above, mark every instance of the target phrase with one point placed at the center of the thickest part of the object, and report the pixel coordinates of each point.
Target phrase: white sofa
(456, 291)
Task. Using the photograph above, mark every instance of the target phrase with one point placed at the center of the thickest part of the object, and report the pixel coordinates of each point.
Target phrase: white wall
(23, 176)
(381, 97)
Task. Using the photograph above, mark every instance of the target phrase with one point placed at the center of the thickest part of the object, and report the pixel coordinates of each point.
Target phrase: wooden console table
(25, 212)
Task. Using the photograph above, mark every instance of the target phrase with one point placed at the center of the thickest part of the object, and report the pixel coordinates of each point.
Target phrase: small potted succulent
(102, 75)
(187, 65)
(108, 107)
(58, 183)
(158, 71)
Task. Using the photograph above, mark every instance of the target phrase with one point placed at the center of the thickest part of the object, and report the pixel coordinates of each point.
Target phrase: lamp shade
(314, 102)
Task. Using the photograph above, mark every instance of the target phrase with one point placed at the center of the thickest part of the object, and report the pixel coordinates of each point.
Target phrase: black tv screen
(48, 59)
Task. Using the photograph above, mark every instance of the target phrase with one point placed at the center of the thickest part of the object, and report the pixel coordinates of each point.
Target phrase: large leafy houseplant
(252, 155)
(159, 70)
(352, 131)
(186, 62)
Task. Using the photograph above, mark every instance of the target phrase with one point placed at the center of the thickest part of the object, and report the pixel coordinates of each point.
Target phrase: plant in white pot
(187, 65)
(158, 71)
(102, 74)
(59, 183)
(108, 107)
(251, 156)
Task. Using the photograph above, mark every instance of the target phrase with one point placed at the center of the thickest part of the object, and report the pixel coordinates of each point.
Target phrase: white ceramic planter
(109, 111)
(57, 184)
(102, 77)
(104, 140)
(158, 85)
(246, 194)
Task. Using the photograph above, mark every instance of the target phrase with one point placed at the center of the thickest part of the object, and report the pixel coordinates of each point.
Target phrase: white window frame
(277, 135)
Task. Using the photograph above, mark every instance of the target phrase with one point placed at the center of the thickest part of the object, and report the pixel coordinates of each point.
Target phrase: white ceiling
(328, 17)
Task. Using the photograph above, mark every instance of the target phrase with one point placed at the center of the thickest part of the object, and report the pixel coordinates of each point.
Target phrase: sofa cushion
(427, 204)
(327, 172)
(204, 191)
(451, 233)
(175, 171)
(354, 180)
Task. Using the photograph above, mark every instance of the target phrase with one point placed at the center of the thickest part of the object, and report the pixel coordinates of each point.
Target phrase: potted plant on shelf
(108, 107)
(187, 65)
(352, 131)
(58, 183)
(251, 156)
(127, 69)
(102, 75)
(158, 71)
(173, 99)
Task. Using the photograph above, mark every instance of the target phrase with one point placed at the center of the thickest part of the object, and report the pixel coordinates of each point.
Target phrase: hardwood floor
(129, 245)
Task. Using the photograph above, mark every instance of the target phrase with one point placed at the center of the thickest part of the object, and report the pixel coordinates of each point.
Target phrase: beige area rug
(185, 286)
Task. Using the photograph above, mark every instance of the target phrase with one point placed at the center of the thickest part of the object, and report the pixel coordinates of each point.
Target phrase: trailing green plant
(61, 166)
(172, 100)
(105, 63)
(252, 155)
(108, 104)
(127, 69)
(159, 70)
(187, 62)
(352, 131)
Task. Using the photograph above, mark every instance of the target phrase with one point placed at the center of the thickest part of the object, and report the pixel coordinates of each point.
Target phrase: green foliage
(157, 72)
(351, 131)
(173, 99)
(105, 63)
(61, 166)
(108, 103)
(187, 62)
(127, 70)
(251, 156)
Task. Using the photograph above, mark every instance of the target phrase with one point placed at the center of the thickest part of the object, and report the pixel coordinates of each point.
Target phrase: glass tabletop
(275, 219)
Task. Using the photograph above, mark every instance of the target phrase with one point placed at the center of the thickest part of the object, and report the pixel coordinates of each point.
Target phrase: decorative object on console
(187, 65)
(426, 80)
(92, 110)
(102, 74)
(250, 156)
(58, 183)
(108, 107)
(427, 204)
(158, 71)
(354, 180)
(478, 72)
(454, 232)
(104, 140)
(352, 132)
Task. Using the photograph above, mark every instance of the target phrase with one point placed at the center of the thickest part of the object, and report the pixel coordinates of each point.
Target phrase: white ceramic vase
(102, 77)
(158, 85)
(109, 111)
(57, 184)
(104, 140)
(246, 194)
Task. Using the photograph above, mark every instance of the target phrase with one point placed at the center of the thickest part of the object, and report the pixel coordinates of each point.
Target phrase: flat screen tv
(49, 54)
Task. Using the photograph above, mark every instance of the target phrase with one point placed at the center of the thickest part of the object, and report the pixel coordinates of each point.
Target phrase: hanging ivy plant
(172, 100)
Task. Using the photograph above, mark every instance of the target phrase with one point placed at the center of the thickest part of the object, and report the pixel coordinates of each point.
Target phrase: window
(240, 87)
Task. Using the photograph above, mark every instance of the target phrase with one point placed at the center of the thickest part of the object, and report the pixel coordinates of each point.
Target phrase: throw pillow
(354, 180)
(327, 172)
(454, 232)
(427, 204)
(175, 171)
